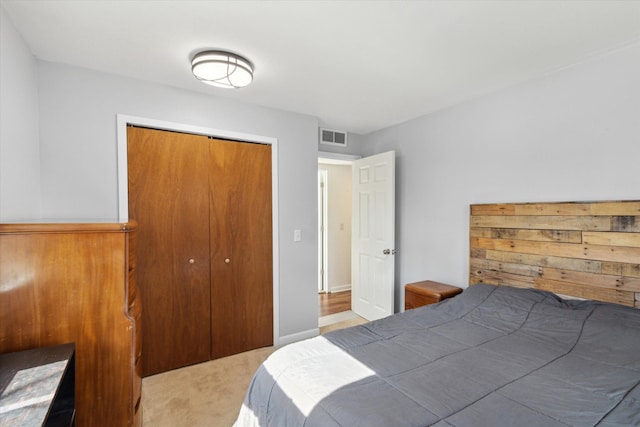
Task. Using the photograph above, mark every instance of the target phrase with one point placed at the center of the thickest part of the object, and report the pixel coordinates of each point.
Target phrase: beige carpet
(208, 394)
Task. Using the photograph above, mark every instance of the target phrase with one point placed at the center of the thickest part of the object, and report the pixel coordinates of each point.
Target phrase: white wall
(78, 109)
(573, 135)
(19, 143)
(338, 226)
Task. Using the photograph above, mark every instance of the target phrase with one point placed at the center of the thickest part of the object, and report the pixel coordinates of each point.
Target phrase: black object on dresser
(37, 387)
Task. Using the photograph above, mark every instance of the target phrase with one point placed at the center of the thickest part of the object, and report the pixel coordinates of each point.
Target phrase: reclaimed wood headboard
(582, 249)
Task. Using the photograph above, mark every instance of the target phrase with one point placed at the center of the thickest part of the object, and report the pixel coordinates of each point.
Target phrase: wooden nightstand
(427, 292)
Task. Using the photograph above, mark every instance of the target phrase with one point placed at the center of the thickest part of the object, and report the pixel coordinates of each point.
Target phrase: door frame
(123, 190)
(329, 158)
(322, 231)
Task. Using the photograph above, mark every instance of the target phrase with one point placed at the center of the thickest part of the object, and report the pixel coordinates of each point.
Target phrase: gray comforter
(492, 356)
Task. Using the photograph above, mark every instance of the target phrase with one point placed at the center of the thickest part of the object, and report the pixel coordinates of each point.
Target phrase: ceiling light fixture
(222, 69)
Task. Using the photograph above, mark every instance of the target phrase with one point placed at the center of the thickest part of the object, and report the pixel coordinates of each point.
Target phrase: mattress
(492, 356)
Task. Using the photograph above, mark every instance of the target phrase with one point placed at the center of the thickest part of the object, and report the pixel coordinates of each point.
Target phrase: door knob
(389, 251)
(192, 261)
(227, 260)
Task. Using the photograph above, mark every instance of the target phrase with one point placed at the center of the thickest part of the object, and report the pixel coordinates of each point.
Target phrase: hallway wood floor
(332, 303)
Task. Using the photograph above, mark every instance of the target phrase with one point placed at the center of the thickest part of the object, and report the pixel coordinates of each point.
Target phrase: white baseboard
(342, 288)
(288, 339)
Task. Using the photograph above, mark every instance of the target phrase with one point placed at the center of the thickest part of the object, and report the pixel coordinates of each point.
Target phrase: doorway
(334, 239)
(373, 238)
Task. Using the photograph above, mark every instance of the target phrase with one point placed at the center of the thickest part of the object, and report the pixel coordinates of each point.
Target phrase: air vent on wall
(333, 137)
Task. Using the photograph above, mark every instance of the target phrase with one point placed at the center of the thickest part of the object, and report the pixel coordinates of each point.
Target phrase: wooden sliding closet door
(241, 247)
(169, 197)
(205, 257)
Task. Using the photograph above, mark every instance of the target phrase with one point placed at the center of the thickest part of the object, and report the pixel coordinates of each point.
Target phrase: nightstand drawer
(427, 292)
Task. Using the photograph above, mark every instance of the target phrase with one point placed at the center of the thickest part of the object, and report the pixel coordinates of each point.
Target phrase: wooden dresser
(67, 282)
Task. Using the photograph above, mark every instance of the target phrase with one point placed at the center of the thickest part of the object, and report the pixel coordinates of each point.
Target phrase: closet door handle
(192, 261)
(227, 260)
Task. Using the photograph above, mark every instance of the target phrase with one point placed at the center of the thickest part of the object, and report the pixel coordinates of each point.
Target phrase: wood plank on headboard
(583, 249)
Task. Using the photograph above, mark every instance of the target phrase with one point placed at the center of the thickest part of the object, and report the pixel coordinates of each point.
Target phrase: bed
(507, 351)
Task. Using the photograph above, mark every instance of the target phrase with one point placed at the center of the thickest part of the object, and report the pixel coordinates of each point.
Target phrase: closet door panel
(241, 247)
(168, 196)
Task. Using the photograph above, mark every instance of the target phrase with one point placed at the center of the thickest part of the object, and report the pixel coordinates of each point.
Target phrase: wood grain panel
(545, 261)
(622, 269)
(506, 267)
(537, 222)
(172, 210)
(478, 253)
(205, 262)
(622, 208)
(630, 208)
(555, 209)
(71, 286)
(612, 239)
(630, 224)
(584, 249)
(241, 249)
(504, 209)
(535, 235)
(501, 278)
(581, 290)
(596, 280)
(593, 252)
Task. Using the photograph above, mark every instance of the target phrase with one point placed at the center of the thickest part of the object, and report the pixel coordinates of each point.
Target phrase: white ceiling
(356, 65)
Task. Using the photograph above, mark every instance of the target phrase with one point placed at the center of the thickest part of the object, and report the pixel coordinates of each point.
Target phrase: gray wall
(573, 135)
(19, 143)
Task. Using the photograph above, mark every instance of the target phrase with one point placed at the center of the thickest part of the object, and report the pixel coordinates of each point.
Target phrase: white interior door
(373, 236)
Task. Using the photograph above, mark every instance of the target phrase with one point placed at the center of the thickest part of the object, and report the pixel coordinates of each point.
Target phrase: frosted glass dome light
(222, 69)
